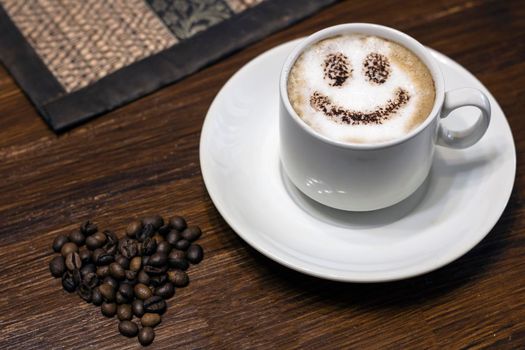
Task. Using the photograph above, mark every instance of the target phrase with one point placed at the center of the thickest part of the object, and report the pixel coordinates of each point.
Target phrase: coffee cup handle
(461, 98)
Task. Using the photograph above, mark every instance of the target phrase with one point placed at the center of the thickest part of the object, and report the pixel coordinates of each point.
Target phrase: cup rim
(368, 29)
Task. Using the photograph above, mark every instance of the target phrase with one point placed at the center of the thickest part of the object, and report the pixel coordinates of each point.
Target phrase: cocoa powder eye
(337, 69)
(376, 68)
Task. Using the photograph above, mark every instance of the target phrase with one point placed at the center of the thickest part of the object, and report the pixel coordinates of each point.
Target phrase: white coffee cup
(361, 177)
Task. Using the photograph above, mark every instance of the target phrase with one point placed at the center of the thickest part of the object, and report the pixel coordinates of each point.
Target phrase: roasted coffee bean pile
(130, 277)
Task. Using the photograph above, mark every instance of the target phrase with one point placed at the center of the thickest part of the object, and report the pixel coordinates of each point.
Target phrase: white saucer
(458, 205)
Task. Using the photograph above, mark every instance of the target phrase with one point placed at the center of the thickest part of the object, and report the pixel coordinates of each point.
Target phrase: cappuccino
(360, 89)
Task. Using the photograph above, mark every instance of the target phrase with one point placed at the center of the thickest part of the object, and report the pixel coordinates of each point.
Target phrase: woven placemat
(76, 59)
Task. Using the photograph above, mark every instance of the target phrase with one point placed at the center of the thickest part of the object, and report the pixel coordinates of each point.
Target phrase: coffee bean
(120, 299)
(111, 281)
(100, 237)
(158, 238)
(150, 320)
(105, 259)
(68, 282)
(147, 231)
(156, 221)
(164, 247)
(91, 280)
(173, 237)
(88, 228)
(96, 240)
(92, 243)
(128, 328)
(178, 278)
(85, 255)
(77, 237)
(68, 247)
(87, 269)
(116, 271)
(192, 233)
(111, 242)
(158, 280)
(58, 242)
(178, 223)
(177, 259)
(146, 336)
(96, 297)
(111, 237)
(128, 248)
(108, 309)
(101, 257)
(102, 271)
(143, 277)
(183, 244)
(126, 290)
(164, 229)
(73, 261)
(154, 270)
(124, 312)
(122, 261)
(57, 266)
(107, 291)
(131, 275)
(194, 254)
(155, 305)
(138, 307)
(142, 291)
(97, 253)
(135, 264)
(134, 228)
(145, 260)
(167, 290)
(110, 248)
(149, 246)
(77, 277)
(84, 291)
(158, 260)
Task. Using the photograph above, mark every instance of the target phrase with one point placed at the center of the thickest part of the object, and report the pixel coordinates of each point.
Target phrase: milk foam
(357, 110)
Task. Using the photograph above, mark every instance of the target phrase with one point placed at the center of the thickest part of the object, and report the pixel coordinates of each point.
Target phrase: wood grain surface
(143, 158)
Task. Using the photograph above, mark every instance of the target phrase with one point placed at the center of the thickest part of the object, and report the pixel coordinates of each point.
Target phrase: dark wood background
(143, 158)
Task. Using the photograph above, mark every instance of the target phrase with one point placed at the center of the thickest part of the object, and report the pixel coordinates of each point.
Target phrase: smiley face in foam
(357, 88)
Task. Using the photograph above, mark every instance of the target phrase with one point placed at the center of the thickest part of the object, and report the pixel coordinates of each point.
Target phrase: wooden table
(143, 158)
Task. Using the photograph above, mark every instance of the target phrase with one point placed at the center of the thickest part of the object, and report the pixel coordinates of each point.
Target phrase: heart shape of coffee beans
(133, 276)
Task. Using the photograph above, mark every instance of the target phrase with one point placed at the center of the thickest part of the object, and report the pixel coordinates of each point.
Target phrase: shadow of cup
(444, 175)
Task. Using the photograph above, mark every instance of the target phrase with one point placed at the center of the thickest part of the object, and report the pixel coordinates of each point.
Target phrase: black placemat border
(63, 111)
